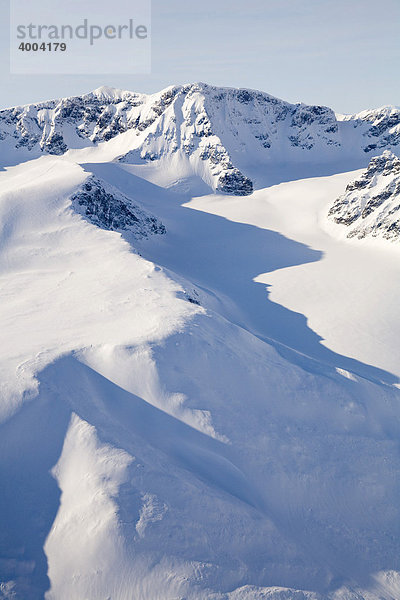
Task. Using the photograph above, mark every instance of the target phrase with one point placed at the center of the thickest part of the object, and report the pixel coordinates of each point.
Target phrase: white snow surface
(211, 413)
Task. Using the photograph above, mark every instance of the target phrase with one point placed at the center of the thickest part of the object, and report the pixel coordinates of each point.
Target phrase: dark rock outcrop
(109, 209)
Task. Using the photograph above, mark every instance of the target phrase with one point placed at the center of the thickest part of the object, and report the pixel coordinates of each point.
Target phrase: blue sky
(344, 54)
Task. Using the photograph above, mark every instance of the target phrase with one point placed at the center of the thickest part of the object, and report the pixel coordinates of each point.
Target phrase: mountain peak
(108, 92)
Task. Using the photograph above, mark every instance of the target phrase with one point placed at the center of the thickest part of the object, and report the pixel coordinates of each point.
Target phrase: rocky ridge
(218, 133)
(107, 208)
(370, 206)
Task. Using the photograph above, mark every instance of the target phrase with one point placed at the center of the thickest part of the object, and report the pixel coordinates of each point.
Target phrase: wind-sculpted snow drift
(167, 431)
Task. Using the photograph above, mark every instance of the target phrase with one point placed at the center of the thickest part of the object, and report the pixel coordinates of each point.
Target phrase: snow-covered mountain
(218, 134)
(199, 399)
(371, 204)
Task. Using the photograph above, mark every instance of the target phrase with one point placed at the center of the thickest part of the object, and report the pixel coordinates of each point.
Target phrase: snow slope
(347, 289)
(43, 242)
(172, 425)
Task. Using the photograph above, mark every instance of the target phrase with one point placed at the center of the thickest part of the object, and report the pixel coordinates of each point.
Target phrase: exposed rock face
(107, 208)
(234, 182)
(371, 204)
(93, 117)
